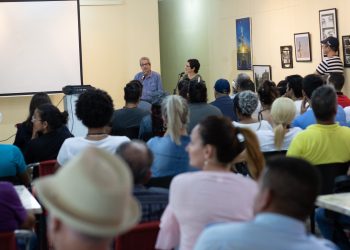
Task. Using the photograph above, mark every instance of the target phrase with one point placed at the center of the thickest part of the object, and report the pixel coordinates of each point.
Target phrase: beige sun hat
(92, 194)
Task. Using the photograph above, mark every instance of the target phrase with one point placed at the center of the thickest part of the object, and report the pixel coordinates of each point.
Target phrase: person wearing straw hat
(89, 201)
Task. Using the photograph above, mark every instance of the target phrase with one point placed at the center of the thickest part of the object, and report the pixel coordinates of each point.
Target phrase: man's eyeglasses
(144, 64)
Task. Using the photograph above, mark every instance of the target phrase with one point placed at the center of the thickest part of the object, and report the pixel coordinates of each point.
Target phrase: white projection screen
(39, 46)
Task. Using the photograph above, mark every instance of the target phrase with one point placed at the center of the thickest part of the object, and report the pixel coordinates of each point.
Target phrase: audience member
(242, 82)
(170, 156)
(287, 193)
(89, 201)
(307, 117)
(338, 80)
(139, 158)
(282, 113)
(223, 100)
(95, 109)
(331, 63)
(49, 133)
(150, 79)
(295, 91)
(13, 214)
(214, 194)
(282, 87)
(267, 93)
(245, 103)
(126, 121)
(25, 129)
(153, 125)
(191, 71)
(326, 141)
(12, 165)
(199, 108)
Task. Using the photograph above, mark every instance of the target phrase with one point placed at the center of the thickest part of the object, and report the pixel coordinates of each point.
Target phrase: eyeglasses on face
(144, 64)
(35, 119)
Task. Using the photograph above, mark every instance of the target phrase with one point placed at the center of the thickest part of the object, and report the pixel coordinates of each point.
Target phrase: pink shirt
(201, 198)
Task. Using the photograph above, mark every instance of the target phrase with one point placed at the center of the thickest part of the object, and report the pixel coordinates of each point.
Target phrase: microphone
(143, 78)
(181, 74)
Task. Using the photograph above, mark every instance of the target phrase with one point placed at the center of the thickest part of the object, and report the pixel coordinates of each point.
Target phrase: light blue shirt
(308, 118)
(11, 161)
(169, 158)
(268, 231)
(151, 84)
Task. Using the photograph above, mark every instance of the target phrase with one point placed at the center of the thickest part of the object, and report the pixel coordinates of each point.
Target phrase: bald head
(138, 157)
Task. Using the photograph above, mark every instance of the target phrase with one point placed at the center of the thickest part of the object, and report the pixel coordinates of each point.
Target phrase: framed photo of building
(328, 23)
(302, 47)
(261, 73)
(286, 57)
(346, 50)
(243, 43)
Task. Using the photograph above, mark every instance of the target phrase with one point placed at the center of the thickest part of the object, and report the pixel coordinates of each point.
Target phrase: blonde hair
(283, 111)
(176, 115)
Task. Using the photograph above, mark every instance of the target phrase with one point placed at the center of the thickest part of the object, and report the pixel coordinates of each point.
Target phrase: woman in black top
(48, 134)
(25, 129)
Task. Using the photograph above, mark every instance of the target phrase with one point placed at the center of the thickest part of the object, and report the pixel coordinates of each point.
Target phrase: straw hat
(91, 194)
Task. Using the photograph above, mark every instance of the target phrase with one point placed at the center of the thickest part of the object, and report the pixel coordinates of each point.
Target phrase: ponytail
(255, 159)
(280, 132)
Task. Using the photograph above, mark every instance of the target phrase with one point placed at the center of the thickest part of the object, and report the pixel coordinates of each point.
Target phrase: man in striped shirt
(331, 63)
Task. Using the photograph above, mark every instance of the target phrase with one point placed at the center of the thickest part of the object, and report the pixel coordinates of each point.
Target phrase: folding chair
(47, 167)
(143, 236)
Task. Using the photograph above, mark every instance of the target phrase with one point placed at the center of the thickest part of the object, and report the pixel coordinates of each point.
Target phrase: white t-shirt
(73, 146)
(263, 125)
(266, 139)
(297, 104)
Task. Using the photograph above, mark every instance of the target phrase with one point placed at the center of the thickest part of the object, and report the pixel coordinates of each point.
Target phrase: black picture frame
(346, 50)
(302, 47)
(286, 56)
(328, 23)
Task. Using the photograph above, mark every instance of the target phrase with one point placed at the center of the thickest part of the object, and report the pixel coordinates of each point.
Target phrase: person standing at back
(332, 62)
(150, 80)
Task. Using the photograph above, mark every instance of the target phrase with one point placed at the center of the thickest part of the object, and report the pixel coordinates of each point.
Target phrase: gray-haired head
(241, 77)
(246, 102)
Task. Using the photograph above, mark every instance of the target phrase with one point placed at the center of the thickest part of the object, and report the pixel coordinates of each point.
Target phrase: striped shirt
(330, 65)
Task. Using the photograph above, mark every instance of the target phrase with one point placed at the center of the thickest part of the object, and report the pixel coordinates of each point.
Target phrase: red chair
(8, 241)
(47, 167)
(143, 236)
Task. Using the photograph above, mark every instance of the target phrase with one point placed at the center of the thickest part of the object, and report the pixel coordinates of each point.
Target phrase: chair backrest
(8, 241)
(270, 154)
(163, 182)
(328, 174)
(143, 236)
(47, 167)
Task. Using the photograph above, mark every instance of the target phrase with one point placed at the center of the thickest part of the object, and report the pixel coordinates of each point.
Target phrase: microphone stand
(178, 81)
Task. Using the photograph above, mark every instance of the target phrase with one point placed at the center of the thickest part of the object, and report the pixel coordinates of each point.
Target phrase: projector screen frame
(79, 49)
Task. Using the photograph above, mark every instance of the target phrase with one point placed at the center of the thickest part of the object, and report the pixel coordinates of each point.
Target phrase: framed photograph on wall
(346, 50)
(261, 73)
(243, 43)
(328, 23)
(286, 57)
(302, 47)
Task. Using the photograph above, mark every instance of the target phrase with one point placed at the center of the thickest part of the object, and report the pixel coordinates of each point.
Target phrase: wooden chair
(143, 236)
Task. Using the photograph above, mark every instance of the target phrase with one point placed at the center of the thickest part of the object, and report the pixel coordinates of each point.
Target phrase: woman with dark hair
(95, 109)
(267, 92)
(25, 129)
(214, 194)
(191, 71)
(49, 133)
